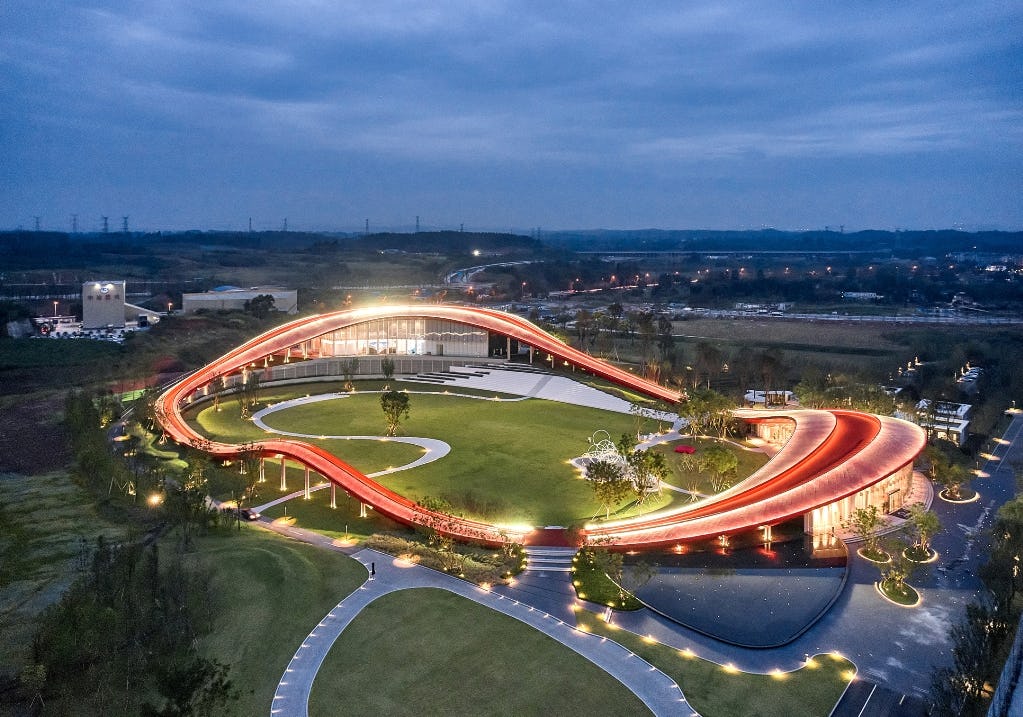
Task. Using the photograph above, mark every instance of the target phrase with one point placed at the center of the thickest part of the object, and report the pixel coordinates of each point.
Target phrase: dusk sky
(511, 115)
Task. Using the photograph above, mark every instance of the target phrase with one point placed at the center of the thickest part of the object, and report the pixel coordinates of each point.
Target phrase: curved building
(831, 462)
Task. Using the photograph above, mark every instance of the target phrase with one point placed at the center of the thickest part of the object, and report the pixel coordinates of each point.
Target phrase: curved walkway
(657, 691)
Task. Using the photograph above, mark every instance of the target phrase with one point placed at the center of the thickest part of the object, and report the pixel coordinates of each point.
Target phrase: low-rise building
(944, 419)
(233, 298)
(104, 307)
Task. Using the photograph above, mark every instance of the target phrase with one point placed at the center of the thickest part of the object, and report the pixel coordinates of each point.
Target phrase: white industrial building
(104, 307)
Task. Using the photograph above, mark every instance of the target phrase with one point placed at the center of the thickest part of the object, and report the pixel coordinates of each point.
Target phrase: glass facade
(409, 336)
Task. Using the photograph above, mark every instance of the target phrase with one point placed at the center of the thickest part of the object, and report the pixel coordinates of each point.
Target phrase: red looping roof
(830, 455)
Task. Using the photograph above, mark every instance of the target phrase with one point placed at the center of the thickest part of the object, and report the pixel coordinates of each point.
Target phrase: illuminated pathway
(657, 691)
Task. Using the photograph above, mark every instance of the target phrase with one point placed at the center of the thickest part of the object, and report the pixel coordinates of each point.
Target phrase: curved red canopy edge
(859, 441)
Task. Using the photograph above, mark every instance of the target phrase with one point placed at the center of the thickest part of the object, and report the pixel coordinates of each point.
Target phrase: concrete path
(291, 699)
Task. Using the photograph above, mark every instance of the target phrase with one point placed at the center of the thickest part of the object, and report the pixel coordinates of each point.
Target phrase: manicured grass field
(427, 651)
(715, 691)
(749, 462)
(45, 522)
(271, 592)
(508, 460)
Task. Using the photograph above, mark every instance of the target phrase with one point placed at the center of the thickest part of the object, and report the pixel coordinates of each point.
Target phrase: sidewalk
(291, 699)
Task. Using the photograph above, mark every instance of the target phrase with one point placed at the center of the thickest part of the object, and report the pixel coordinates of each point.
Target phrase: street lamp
(170, 305)
(55, 308)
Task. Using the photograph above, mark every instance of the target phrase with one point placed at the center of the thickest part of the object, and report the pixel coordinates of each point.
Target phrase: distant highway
(461, 277)
(973, 320)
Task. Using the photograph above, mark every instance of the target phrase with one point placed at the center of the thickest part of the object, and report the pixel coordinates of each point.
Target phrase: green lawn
(271, 591)
(508, 460)
(749, 462)
(44, 520)
(316, 514)
(427, 651)
(715, 691)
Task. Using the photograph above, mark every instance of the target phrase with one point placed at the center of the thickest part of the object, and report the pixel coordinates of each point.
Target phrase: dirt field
(800, 333)
(32, 436)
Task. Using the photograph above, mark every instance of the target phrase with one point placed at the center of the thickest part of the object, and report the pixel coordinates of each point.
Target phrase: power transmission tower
(250, 225)
(106, 226)
(37, 223)
(285, 224)
(367, 226)
(124, 225)
(417, 224)
(461, 227)
(74, 223)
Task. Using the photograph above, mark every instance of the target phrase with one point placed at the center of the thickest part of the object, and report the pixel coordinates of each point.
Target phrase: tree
(721, 463)
(395, 405)
(707, 410)
(665, 340)
(897, 570)
(387, 367)
(260, 306)
(610, 563)
(610, 485)
(349, 368)
(647, 334)
(960, 689)
(648, 469)
(583, 327)
(248, 460)
(708, 363)
(1002, 574)
(865, 522)
(924, 524)
(249, 392)
(944, 471)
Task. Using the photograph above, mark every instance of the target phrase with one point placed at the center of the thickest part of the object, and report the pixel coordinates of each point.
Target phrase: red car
(685, 449)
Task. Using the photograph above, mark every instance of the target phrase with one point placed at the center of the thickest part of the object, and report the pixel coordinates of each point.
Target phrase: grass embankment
(429, 651)
(714, 690)
(270, 592)
(508, 461)
(592, 583)
(47, 525)
(28, 365)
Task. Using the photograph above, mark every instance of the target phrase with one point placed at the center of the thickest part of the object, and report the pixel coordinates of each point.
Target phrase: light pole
(170, 305)
(55, 308)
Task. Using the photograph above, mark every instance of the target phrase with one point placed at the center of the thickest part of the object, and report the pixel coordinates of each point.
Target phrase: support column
(507, 351)
(284, 474)
(530, 355)
(333, 495)
(307, 483)
(362, 510)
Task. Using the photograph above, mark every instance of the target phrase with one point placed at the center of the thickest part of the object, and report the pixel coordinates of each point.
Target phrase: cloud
(594, 88)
